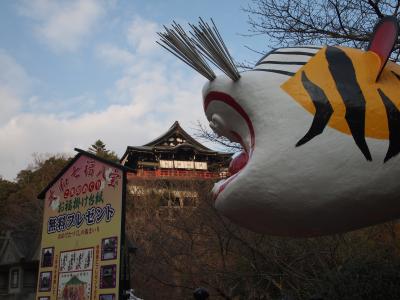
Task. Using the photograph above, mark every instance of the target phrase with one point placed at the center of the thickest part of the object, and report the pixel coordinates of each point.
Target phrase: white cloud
(142, 35)
(10, 105)
(68, 107)
(63, 26)
(136, 123)
(153, 91)
(113, 55)
(15, 83)
(13, 76)
(151, 96)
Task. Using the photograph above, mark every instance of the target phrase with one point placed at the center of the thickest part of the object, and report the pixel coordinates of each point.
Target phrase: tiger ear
(383, 40)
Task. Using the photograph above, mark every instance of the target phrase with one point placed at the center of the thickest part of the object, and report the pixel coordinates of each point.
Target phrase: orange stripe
(366, 65)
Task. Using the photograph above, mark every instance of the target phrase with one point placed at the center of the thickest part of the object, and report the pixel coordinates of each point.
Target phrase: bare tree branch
(206, 134)
(335, 22)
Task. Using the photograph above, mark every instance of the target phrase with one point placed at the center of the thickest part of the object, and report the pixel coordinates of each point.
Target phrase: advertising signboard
(82, 231)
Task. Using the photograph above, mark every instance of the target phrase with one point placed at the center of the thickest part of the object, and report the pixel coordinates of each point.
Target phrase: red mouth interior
(238, 163)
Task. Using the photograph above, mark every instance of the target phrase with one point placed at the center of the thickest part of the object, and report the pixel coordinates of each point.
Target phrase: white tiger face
(324, 186)
(316, 131)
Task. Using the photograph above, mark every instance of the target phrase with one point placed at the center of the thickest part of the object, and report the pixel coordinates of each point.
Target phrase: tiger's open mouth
(228, 118)
(237, 164)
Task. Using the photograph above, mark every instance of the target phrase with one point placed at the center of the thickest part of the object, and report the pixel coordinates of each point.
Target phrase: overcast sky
(72, 72)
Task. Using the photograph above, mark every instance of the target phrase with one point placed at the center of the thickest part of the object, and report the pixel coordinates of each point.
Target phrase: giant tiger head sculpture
(319, 126)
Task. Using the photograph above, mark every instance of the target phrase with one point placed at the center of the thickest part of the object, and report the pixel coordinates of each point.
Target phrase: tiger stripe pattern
(286, 61)
(337, 85)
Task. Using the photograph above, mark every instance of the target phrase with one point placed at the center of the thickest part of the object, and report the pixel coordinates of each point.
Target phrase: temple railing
(177, 174)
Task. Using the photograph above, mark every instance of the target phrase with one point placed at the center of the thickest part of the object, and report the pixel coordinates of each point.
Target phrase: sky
(72, 72)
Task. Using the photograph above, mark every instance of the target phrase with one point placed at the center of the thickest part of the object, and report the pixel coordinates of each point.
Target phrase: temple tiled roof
(174, 139)
(16, 246)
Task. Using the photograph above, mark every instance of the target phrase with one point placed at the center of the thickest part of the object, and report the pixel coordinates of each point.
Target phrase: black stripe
(294, 53)
(344, 75)
(264, 56)
(397, 75)
(275, 71)
(323, 109)
(277, 49)
(393, 116)
(302, 47)
(282, 62)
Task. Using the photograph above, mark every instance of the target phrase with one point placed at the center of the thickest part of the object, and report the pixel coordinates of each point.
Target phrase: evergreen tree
(20, 210)
(99, 149)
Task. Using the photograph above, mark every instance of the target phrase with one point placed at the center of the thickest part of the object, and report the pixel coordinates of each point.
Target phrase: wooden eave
(177, 129)
(156, 146)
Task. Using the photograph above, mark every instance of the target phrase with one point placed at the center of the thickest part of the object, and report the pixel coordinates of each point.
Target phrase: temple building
(176, 154)
(19, 260)
(169, 184)
(166, 165)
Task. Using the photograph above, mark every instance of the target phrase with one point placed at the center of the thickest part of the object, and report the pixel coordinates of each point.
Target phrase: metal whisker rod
(206, 42)
(211, 44)
(177, 42)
